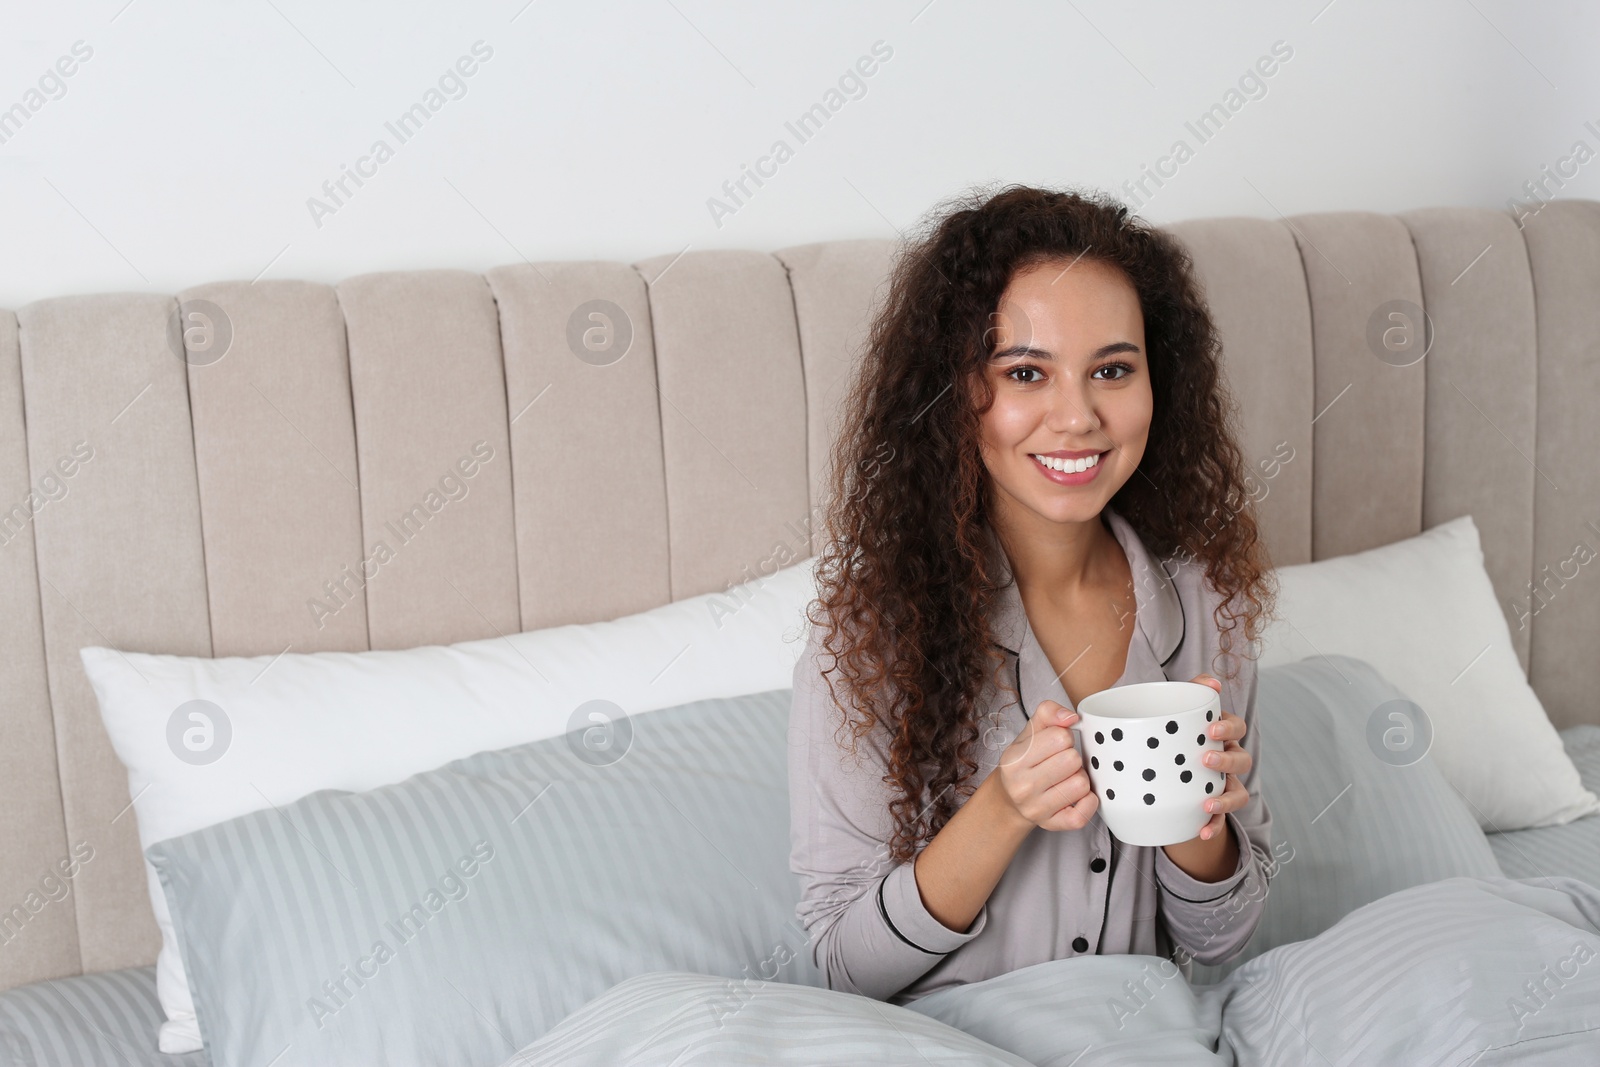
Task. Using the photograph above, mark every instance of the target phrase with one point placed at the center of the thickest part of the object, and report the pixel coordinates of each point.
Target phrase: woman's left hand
(1234, 761)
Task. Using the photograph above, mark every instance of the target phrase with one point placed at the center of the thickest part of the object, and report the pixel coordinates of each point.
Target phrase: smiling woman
(1054, 382)
(1048, 361)
(1071, 407)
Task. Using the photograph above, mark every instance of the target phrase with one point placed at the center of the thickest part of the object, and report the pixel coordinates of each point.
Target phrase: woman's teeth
(1068, 466)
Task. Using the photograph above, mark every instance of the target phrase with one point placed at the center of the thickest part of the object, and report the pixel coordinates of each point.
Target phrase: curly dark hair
(905, 583)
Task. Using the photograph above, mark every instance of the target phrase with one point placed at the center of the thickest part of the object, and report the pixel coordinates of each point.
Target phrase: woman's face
(1070, 379)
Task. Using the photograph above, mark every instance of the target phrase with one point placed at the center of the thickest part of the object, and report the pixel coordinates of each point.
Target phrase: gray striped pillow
(1348, 826)
(456, 916)
(1572, 848)
(93, 1020)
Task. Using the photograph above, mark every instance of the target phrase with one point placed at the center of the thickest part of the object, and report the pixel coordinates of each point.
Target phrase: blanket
(1457, 972)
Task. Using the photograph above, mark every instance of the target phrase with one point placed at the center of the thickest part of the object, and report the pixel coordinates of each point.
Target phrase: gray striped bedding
(1573, 849)
(455, 916)
(1438, 975)
(1456, 972)
(1347, 827)
(680, 1018)
(674, 860)
(96, 1020)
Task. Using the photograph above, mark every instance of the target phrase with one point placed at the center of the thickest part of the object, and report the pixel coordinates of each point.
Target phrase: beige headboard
(203, 506)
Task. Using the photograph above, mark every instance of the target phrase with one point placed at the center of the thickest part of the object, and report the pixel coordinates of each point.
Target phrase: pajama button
(1080, 945)
(1097, 865)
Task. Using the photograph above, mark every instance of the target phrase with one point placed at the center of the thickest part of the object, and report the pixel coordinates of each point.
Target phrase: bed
(112, 1017)
(206, 474)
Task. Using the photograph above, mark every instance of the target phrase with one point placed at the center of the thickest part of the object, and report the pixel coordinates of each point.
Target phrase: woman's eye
(1125, 369)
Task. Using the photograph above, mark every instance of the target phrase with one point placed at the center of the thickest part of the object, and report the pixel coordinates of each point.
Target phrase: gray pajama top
(1065, 893)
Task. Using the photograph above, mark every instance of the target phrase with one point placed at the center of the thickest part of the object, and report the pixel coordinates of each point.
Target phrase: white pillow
(293, 724)
(1423, 612)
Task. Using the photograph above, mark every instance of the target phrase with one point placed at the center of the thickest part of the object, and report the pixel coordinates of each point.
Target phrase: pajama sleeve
(868, 928)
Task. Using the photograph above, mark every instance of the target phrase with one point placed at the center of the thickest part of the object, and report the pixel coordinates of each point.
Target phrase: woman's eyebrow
(1029, 351)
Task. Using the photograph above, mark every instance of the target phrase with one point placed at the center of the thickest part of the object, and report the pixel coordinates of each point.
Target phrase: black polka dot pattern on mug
(1139, 765)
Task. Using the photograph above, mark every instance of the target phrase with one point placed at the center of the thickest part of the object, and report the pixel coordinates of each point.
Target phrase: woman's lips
(1063, 478)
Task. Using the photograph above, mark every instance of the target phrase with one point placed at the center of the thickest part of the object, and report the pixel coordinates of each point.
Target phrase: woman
(1036, 425)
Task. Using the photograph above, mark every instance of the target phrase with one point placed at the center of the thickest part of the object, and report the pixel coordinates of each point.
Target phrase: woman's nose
(1071, 408)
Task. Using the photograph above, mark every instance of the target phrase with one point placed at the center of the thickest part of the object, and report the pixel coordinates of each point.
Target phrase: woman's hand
(1233, 761)
(1042, 774)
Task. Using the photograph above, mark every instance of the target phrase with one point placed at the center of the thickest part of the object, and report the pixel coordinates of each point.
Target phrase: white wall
(186, 147)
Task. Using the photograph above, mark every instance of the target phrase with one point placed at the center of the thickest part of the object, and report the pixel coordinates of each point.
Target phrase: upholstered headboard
(204, 500)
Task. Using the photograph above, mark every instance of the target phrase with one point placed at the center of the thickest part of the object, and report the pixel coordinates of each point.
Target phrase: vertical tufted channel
(120, 565)
(1563, 242)
(1368, 436)
(435, 461)
(733, 416)
(838, 286)
(43, 942)
(1482, 374)
(1255, 286)
(275, 454)
(586, 465)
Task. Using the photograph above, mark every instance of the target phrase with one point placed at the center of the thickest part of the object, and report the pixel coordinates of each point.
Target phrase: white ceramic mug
(1142, 745)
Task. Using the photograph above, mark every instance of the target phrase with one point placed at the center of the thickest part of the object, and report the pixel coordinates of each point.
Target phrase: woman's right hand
(1042, 773)
(1040, 781)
